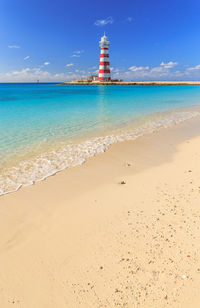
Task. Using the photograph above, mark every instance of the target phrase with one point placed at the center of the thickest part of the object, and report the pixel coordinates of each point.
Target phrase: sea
(45, 128)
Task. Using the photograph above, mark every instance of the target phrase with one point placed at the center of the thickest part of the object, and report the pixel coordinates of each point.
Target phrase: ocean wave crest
(47, 164)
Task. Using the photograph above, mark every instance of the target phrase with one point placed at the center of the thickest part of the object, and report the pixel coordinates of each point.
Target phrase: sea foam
(49, 163)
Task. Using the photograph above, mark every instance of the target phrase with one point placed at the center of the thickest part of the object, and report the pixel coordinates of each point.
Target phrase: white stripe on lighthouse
(104, 59)
(104, 74)
(103, 51)
(104, 67)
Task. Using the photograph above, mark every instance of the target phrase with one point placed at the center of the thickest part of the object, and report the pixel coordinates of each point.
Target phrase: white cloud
(162, 72)
(159, 69)
(195, 68)
(129, 19)
(46, 63)
(34, 74)
(69, 64)
(151, 72)
(114, 70)
(79, 51)
(138, 68)
(13, 46)
(103, 22)
(95, 72)
(80, 71)
(26, 58)
(23, 71)
(170, 64)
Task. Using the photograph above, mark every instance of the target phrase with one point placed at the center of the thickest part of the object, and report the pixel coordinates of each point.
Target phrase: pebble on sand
(123, 182)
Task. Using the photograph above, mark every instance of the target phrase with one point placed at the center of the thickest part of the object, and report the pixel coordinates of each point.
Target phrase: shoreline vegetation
(79, 82)
(120, 230)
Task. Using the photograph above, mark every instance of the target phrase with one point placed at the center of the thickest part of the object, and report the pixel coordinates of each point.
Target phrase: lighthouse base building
(104, 65)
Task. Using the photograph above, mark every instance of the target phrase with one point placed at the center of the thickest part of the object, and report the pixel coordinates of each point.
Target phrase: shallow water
(45, 128)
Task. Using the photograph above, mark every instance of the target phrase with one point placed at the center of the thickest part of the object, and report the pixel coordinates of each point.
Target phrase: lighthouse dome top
(104, 37)
(104, 43)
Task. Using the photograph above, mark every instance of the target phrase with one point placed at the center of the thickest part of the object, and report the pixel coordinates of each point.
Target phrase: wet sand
(122, 230)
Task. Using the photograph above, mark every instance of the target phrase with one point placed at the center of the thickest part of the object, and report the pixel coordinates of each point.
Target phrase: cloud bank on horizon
(164, 71)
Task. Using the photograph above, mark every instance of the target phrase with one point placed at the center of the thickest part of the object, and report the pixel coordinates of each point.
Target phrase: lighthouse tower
(104, 66)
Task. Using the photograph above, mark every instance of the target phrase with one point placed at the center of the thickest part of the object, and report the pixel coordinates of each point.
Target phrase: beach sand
(122, 230)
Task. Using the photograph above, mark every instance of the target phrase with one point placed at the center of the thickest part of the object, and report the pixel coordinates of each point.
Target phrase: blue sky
(59, 40)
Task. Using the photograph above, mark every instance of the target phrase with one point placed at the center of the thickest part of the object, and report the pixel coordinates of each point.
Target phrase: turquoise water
(48, 127)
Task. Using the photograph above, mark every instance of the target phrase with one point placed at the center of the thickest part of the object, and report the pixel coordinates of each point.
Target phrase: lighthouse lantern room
(104, 66)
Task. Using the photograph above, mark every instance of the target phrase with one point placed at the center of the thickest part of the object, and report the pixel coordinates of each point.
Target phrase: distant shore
(197, 83)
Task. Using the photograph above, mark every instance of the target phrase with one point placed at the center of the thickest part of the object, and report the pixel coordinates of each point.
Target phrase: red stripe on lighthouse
(104, 71)
(104, 63)
(104, 56)
(103, 79)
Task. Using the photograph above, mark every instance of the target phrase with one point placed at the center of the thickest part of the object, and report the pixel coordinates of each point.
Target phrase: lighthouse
(104, 66)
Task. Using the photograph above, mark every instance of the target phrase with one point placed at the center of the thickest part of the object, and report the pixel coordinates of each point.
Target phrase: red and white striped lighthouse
(104, 66)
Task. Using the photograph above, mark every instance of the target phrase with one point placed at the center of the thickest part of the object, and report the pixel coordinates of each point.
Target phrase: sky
(59, 40)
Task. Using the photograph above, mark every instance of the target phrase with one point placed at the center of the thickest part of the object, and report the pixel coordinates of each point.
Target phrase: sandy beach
(122, 230)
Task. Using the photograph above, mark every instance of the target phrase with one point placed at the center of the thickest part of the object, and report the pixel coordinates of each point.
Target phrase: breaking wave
(49, 163)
